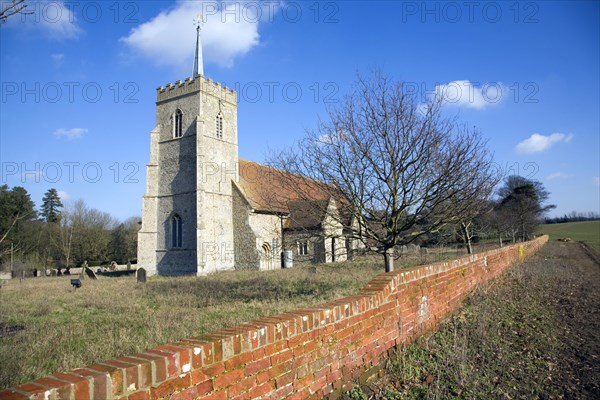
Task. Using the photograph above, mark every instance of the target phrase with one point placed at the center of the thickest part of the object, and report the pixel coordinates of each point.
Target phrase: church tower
(187, 212)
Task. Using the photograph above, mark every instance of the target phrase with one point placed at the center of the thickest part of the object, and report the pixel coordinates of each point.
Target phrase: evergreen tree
(16, 211)
(51, 206)
(522, 205)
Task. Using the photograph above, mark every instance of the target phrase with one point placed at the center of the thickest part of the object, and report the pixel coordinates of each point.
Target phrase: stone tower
(187, 210)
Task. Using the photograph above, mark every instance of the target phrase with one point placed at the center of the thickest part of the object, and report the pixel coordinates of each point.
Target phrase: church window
(219, 126)
(178, 124)
(303, 248)
(176, 232)
(266, 249)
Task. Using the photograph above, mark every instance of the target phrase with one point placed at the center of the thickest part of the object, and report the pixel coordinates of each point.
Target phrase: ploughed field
(535, 333)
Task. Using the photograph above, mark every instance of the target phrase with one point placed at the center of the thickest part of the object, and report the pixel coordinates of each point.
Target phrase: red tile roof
(270, 190)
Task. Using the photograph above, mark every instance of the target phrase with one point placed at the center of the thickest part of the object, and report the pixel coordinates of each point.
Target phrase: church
(206, 210)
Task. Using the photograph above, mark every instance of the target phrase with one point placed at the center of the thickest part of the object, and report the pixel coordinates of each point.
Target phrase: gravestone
(83, 268)
(287, 259)
(90, 273)
(424, 254)
(141, 275)
(403, 249)
(413, 248)
(128, 265)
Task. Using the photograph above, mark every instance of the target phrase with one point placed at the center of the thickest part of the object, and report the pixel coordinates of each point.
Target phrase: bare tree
(16, 7)
(83, 234)
(62, 236)
(472, 219)
(396, 168)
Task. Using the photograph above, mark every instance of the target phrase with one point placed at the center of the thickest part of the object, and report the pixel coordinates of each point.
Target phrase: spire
(198, 64)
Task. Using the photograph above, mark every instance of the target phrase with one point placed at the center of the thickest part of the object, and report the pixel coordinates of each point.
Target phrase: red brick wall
(306, 353)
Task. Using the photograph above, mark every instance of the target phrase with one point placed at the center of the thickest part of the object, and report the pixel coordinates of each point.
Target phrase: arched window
(178, 124)
(266, 250)
(176, 232)
(219, 126)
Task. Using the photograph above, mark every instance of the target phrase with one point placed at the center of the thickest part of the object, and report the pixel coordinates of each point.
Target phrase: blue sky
(79, 79)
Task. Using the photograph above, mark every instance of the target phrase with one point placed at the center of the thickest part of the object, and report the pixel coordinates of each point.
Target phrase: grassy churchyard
(46, 326)
(65, 328)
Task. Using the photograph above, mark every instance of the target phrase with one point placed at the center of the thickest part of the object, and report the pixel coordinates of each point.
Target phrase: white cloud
(64, 196)
(55, 18)
(470, 95)
(73, 133)
(230, 29)
(537, 143)
(558, 175)
(57, 59)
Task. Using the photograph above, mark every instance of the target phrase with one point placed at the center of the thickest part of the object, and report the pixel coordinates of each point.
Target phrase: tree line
(574, 216)
(58, 235)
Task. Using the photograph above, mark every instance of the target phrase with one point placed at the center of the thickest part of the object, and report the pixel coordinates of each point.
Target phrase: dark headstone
(90, 273)
(76, 283)
(141, 275)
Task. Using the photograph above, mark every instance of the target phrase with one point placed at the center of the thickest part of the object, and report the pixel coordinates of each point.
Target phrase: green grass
(586, 231)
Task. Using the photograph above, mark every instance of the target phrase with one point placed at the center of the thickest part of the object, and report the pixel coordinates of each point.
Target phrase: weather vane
(199, 21)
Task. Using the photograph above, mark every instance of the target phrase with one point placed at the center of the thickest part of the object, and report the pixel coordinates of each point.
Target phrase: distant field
(587, 231)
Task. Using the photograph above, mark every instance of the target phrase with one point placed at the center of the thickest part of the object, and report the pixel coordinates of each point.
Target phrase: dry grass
(112, 317)
(66, 329)
(534, 334)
